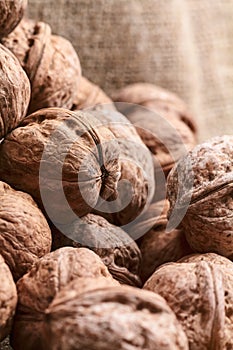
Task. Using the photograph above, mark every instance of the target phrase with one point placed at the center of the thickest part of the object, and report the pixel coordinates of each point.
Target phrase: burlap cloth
(183, 45)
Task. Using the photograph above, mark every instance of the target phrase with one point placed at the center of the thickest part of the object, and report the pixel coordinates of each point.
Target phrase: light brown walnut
(12, 12)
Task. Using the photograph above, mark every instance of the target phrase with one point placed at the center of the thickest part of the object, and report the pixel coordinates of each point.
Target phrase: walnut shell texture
(14, 92)
(24, 233)
(117, 250)
(199, 291)
(12, 12)
(114, 318)
(89, 95)
(38, 288)
(205, 178)
(8, 299)
(50, 61)
(78, 156)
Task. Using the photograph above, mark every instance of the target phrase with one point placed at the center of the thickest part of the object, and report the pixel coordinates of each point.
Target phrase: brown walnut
(50, 62)
(78, 156)
(204, 179)
(24, 233)
(12, 12)
(112, 318)
(48, 276)
(199, 291)
(117, 250)
(8, 299)
(14, 92)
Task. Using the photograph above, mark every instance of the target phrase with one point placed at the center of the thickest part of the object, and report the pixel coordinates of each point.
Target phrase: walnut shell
(89, 95)
(113, 318)
(8, 299)
(199, 290)
(152, 96)
(38, 288)
(14, 93)
(117, 250)
(205, 179)
(50, 61)
(12, 12)
(24, 233)
(136, 186)
(78, 156)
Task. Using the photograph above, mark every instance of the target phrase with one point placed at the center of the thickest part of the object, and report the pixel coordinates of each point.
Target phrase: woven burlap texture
(182, 45)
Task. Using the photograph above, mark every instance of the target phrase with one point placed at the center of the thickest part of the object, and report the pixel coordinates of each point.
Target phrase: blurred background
(182, 45)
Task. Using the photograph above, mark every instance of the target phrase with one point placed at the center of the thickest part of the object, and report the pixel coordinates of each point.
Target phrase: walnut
(117, 250)
(204, 178)
(24, 233)
(158, 246)
(48, 276)
(15, 91)
(8, 299)
(199, 290)
(78, 156)
(112, 318)
(176, 133)
(89, 95)
(50, 62)
(11, 14)
(136, 186)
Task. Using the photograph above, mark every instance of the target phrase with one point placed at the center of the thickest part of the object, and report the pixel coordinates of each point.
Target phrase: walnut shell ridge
(14, 92)
(204, 178)
(12, 12)
(114, 318)
(64, 156)
(199, 291)
(50, 62)
(8, 299)
(117, 250)
(38, 288)
(24, 232)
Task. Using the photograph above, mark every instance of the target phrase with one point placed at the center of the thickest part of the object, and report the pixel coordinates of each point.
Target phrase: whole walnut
(48, 276)
(15, 91)
(158, 246)
(199, 291)
(147, 107)
(89, 95)
(63, 156)
(202, 182)
(8, 299)
(50, 62)
(24, 233)
(117, 250)
(112, 318)
(12, 12)
(136, 186)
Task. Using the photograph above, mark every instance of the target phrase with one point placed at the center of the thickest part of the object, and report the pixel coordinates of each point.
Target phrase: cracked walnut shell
(204, 181)
(24, 233)
(12, 12)
(117, 318)
(40, 285)
(198, 288)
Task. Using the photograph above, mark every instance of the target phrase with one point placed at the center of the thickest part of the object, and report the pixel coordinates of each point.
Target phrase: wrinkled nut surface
(205, 178)
(8, 299)
(24, 232)
(50, 61)
(199, 291)
(113, 318)
(117, 250)
(79, 158)
(90, 95)
(136, 185)
(12, 12)
(37, 289)
(14, 92)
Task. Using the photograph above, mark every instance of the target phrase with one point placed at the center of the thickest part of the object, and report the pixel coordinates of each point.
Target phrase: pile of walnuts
(116, 230)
